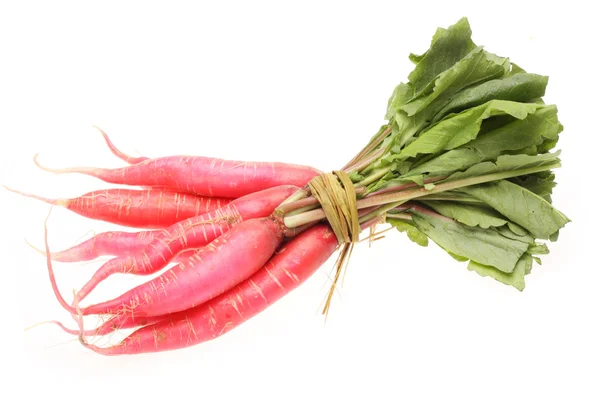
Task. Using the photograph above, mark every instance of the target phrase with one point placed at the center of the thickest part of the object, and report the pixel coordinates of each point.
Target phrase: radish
(201, 175)
(147, 208)
(293, 264)
(112, 243)
(191, 233)
(215, 268)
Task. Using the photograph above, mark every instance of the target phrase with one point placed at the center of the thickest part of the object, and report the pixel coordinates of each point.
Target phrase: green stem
(402, 216)
(379, 211)
(387, 198)
(303, 209)
(294, 198)
(460, 199)
(378, 173)
(365, 162)
(442, 187)
(369, 147)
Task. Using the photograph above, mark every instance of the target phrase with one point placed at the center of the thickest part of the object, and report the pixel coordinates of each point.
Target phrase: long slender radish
(125, 321)
(201, 175)
(291, 266)
(147, 208)
(214, 269)
(191, 233)
(112, 243)
(125, 157)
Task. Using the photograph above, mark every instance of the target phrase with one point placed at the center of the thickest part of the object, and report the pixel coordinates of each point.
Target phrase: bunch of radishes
(215, 220)
(465, 160)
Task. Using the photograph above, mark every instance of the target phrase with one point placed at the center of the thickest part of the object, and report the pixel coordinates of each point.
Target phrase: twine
(335, 192)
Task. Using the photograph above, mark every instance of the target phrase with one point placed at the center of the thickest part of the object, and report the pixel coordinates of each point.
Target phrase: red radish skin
(118, 322)
(125, 157)
(148, 208)
(293, 264)
(214, 269)
(112, 243)
(191, 233)
(204, 176)
(185, 255)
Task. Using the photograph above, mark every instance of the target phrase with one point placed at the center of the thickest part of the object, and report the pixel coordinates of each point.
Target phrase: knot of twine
(335, 192)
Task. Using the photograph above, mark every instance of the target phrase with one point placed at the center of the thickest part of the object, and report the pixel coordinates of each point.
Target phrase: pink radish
(201, 175)
(137, 208)
(191, 233)
(293, 264)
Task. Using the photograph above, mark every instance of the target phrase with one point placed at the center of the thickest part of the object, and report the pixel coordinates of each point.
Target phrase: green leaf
(485, 246)
(515, 136)
(476, 67)
(516, 278)
(494, 123)
(547, 145)
(468, 214)
(448, 46)
(538, 248)
(407, 128)
(515, 69)
(507, 163)
(520, 206)
(457, 257)
(541, 183)
(402, 93)
(411, 231)
(516, 229)
(442, 71)
(417, 58)
(462, 128)
(356, 176)
(509, 232)
(520, 87)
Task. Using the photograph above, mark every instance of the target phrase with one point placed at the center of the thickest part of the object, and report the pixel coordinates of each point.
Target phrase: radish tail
(54, 202)
(59, 297)
(125, 157)
(76, 170)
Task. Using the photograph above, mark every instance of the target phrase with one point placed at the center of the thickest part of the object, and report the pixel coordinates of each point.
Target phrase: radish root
(125, 157)
(74, 170)
(54, 322)
(54, 202)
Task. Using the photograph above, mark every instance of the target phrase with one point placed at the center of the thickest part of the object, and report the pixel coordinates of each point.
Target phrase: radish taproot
(192, 233)
(204, 176)
(111, 243)
(212, 270)
(147, 208)
(293, 264)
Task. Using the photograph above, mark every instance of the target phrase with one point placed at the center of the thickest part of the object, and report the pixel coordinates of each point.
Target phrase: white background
(301, 82)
